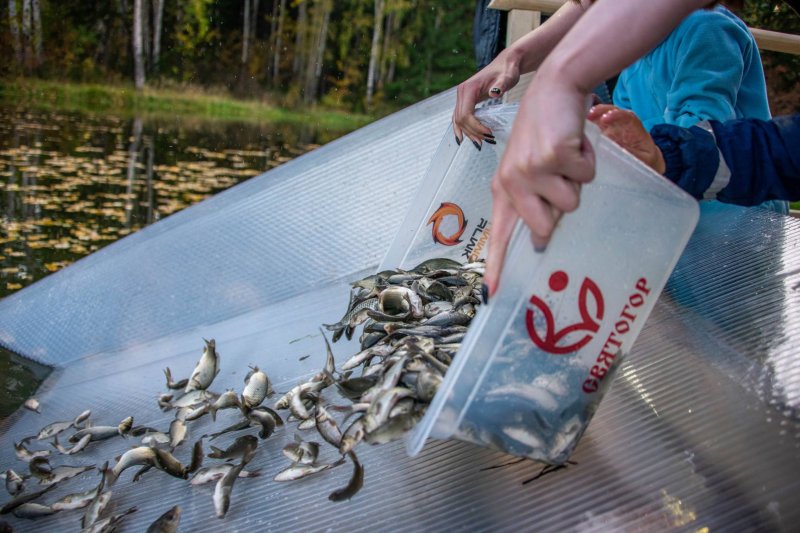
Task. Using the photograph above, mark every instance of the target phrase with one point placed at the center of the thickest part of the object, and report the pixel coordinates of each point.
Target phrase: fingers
(503, 219)
(599, 110)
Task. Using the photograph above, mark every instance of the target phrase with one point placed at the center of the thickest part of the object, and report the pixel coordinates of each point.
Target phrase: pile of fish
(412, 325)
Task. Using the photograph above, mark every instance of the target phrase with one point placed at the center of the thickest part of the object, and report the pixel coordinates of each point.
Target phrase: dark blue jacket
(744, 161)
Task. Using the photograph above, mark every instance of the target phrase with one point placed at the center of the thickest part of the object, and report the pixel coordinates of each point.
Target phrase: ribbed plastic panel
(700, 429)
(312, 220)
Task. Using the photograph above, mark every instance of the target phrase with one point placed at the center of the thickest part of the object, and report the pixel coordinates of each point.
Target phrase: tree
(316, 53)
(158, 16)
(278, 40)
(138, 58)
(374, 54)
(13, 24)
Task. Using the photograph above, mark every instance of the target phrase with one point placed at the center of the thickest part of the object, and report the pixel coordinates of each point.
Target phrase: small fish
(177, 432)
(197, 457)
(98, 503)
(40, 468)
(193, 398)
(227, 400)
(354, 485)
(299, 470)
(78, 500)
(242, 446)
(223, 488)
(301, 451)
(51, 430)
(23, 499)
(142, 455)
(60, 473)
(173, 384)
(235, 427)
(257, 386)
(213, 473)
(196, 412)
(108, 524)
(168, 463)
(32, 511)
(164, 401)
(378, 411)
(78, 447)
(32, 404)
(155, 439)
(352, 436)
(167, 522)
(206, 369)
(265, 420)
(14, 482)
(327, 427)
(103, 432)
(81, 418)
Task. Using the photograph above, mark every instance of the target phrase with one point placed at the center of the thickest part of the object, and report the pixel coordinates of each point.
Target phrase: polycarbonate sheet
(700, 429)
(310, 221)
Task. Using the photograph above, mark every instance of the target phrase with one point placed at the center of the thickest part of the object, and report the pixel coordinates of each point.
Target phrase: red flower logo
(551, 338)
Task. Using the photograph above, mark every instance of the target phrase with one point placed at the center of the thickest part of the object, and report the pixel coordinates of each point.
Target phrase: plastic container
(449, 216)
(539, 357)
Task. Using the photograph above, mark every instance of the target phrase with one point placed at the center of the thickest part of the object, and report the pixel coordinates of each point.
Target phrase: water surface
(71, 183)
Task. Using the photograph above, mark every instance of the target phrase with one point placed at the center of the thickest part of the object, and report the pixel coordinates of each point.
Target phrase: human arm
(759, 159)
(548, 156)
(503, 73)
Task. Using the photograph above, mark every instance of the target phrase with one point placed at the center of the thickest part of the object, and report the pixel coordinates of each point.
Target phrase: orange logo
(445, 210)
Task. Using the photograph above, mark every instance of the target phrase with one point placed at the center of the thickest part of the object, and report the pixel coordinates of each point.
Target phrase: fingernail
(458, 141)
(495, 90)
(488, 135)
(539, 249)
(490, 141)
(477, 145)
(485, 293)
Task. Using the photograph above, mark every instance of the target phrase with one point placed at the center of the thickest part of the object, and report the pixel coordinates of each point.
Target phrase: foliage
(426, 47)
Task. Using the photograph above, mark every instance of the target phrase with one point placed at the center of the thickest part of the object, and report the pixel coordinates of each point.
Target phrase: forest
(369, 56)
(350, 54)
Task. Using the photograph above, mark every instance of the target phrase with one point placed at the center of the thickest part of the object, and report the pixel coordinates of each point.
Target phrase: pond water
(71, 184)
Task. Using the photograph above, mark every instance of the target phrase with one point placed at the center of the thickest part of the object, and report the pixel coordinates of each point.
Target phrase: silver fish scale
(701, 428)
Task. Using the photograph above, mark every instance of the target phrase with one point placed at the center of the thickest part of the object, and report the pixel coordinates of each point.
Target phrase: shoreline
(193, 102)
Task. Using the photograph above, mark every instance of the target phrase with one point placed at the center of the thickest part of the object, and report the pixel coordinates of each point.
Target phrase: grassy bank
(123, 100)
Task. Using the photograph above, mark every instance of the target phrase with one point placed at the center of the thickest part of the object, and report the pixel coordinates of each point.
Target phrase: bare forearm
(611, 37)
(531, 50)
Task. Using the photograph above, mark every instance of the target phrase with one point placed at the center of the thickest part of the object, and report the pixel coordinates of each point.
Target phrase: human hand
(539, 178)
(624, 128)
(492, 81)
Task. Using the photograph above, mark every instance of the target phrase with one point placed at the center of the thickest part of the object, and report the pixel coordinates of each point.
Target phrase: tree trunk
(276, 53)
(322, 15)
(245, 34)
(375, 51)
(158, 16)
(298, 62)
(254, 21)
(26, 34)
(386, 50)
(36, 18)
(13, 24)
(146, 36)
(429, 56)
(138, 59)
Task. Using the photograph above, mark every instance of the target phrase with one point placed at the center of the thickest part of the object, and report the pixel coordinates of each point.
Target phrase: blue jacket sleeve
(762, 157)
(709, 62)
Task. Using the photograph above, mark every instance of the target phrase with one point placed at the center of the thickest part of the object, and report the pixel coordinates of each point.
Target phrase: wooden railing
(766, 39)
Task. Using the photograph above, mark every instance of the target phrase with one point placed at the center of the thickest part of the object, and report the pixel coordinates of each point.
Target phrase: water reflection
(71, 184)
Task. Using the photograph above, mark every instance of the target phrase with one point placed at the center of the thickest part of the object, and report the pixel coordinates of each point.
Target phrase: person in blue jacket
(743, 161)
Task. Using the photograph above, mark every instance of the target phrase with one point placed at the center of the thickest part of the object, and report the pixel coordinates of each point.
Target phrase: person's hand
(539, 178)
(624, 128)
(493, 81)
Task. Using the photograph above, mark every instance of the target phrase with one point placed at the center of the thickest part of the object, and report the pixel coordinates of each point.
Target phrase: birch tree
(278, 40)
(375, 51)
(138, 58)
(13, 25)
(322, 15)
(158, 16)
(298, 61)
(27, 52)
(36, 19)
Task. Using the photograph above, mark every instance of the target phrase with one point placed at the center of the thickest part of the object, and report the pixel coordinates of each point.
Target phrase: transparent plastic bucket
(449, 216)
(539, 357)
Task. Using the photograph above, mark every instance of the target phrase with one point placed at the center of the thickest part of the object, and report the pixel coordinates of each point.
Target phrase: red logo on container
(550, 341)
(445, 210)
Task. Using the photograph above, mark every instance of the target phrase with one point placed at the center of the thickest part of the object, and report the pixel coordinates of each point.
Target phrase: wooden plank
(767, 40)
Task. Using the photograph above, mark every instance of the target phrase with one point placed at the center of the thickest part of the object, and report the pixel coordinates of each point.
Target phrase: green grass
(123, 100)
